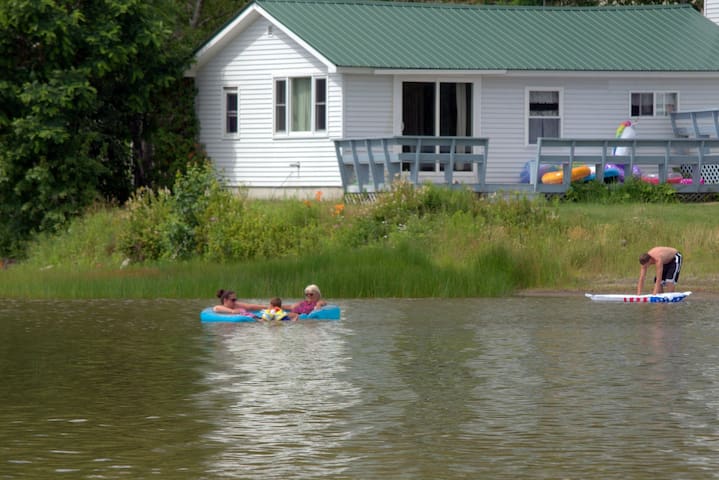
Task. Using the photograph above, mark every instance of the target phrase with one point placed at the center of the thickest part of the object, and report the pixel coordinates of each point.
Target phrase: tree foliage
(79, 83)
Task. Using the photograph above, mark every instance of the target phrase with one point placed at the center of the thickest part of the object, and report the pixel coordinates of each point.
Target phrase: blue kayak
(329, 312)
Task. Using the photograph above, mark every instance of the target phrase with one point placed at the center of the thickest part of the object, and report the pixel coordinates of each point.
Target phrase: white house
(285, 78)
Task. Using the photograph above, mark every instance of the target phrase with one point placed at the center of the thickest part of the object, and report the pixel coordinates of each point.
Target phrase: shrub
(148, 213)
(631, 191)
(166, 224)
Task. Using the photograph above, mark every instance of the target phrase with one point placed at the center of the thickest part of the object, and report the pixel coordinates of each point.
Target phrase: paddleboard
(672, 297)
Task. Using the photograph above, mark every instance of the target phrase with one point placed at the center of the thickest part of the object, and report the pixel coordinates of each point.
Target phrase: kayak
(329, 312)
(672, 297)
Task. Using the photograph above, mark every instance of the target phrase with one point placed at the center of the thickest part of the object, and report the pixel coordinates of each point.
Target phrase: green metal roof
(443, 36)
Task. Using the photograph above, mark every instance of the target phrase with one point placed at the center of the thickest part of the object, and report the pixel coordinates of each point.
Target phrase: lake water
(512, 388)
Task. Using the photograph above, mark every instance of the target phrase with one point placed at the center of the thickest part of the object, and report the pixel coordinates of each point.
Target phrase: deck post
(344, 174)
(414, 172)
(392, 168)
(360, 172)
(449, 169)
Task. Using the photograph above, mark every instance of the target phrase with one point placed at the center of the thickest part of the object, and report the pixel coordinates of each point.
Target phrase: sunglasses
(232, 299)
(309, 294)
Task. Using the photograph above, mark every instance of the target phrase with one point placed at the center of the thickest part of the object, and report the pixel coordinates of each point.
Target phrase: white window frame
(313, 131)
(527, 117)
(656, 95)
(227, 90)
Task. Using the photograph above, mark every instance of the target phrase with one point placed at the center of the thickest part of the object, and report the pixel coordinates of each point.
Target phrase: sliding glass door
(437, 109)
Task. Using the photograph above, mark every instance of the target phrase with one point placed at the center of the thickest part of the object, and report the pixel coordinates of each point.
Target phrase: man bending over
(668, 262)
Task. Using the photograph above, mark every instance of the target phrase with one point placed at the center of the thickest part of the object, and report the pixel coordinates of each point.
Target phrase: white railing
(696, 123)
(660, 156)
(372, 164)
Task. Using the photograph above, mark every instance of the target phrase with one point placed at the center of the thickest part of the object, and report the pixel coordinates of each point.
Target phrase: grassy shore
(500, 248)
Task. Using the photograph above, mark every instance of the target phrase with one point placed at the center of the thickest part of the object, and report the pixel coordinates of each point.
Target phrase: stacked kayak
(328, 312)
(672, 297)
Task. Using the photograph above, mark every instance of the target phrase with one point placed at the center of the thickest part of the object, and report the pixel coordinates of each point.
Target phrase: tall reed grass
(410, 245)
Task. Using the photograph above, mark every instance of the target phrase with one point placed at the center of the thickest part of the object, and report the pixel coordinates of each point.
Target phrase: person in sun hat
(313, 299)
(229, 303)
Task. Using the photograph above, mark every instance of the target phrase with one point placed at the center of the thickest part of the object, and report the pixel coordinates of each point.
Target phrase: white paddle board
(672, 297)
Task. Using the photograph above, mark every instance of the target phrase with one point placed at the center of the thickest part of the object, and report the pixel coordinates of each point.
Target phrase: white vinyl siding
(368, 106)
(252, 61)
(711, 10)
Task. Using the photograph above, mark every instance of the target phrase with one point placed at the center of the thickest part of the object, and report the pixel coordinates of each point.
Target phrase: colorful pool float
(329, 312)
(672, 177)
(578, 173)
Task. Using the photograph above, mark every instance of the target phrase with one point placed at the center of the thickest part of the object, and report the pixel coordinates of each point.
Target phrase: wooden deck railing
(659, 156)
(696, 124)
(372, 164)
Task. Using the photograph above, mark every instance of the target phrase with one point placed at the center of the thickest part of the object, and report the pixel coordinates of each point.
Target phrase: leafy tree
(79, 83)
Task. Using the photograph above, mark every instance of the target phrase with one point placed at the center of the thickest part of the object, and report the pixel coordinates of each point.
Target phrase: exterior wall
(256, 158)
(711, 10)
(591, 108)
(368, 106)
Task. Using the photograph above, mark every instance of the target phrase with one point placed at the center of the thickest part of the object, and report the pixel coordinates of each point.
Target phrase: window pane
(320, 104)
(301, 104)
(320, 90)
(543, 104)
(231, 111)
(543, 127)
(666, 103)
(647, 104)
(281, 106)
(642, 104)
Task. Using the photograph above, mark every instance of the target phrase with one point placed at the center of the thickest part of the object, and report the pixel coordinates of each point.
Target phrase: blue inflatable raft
(329, 312)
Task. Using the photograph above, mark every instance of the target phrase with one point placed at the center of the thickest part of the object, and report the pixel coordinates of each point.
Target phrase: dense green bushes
(632, 190)
(202, 219)
(411, 242)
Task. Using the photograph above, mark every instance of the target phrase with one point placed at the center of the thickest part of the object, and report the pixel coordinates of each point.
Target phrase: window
(651, 104)
(320, 104)
(666, 103)
(301, 105)
(231, 111)
(544, 118)
(281, 106)
(437, 108)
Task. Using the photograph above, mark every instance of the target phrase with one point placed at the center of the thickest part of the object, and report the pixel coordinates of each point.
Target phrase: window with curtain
(544, 115)
(642, 105)
(300, 105)
(650, 104)
(231, 111)
(455, 117)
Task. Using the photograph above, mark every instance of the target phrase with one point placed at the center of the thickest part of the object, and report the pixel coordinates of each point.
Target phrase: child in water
(275, 312)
